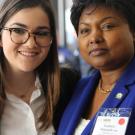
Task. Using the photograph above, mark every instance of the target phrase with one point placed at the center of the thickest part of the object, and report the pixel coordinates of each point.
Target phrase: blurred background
(67, 40)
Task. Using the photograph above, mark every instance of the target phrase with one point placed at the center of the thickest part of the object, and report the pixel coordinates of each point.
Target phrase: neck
(19, 84)
(112, 74)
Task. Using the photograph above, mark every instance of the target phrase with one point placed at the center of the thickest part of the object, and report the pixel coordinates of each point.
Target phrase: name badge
(112, 121)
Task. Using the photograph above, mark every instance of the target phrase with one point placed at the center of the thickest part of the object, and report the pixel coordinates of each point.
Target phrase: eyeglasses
(20, 36)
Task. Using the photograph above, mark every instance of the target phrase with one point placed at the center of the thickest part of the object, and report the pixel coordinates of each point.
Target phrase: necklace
(105, 91)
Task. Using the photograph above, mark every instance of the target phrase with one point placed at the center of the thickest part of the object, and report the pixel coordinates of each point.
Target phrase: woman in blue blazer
(106, 35)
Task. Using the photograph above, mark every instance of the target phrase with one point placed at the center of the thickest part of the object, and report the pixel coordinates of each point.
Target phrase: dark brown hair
(48, 71)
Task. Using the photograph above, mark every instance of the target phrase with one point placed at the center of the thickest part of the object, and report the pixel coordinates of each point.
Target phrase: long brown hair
(48, 71)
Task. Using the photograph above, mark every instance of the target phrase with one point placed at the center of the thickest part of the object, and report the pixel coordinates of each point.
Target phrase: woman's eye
(107, 26)
(84, 31)
(18, 30)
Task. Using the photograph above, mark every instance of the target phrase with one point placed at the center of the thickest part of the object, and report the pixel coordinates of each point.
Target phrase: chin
(27, 69)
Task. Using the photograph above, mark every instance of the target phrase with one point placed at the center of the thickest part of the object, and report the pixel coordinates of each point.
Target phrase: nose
(96, 40)
(96, 37)
(31, 42)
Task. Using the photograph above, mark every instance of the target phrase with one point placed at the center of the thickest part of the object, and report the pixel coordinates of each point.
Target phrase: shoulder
(83, 82)
(69, 79)
(69, 76)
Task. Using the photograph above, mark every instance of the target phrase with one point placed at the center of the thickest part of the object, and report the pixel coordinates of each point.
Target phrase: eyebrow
(109, 17)
(102, 20)
(25, 26)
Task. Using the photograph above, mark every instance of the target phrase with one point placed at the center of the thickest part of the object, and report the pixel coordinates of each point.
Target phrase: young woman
(106, 38)
(29, 71)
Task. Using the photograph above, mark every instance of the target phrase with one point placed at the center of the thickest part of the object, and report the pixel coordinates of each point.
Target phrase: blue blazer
(84, 91)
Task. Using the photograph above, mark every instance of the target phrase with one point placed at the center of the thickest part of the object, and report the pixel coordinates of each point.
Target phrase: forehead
(30, 17)
(100, 12)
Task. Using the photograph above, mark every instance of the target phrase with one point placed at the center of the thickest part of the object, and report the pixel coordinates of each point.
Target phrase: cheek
(7, 46)
(121, 46)
(83, 46)
(82, 43)
(125, 41)
(84, 51)
(5, 40)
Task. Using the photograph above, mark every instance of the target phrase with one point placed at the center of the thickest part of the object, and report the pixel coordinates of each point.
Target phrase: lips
(98, 52)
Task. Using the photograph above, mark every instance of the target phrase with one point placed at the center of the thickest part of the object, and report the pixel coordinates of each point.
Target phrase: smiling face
(105, 39)
(28, 56)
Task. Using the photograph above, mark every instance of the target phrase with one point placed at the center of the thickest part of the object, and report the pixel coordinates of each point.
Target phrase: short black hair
(125, 7)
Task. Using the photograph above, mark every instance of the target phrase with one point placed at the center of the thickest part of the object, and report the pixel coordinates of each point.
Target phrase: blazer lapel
(81, 104)
(120, 91)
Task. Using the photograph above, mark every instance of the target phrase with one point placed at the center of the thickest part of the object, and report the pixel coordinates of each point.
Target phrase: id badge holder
(112, 121)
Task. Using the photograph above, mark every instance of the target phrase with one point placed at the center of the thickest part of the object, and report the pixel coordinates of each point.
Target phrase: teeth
(28, 53)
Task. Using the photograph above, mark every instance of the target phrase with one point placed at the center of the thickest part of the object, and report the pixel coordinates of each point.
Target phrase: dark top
(69, 78)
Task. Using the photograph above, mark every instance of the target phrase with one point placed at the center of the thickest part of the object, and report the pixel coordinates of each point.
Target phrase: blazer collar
(120, 90)
(80, 105)
(128, 76)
